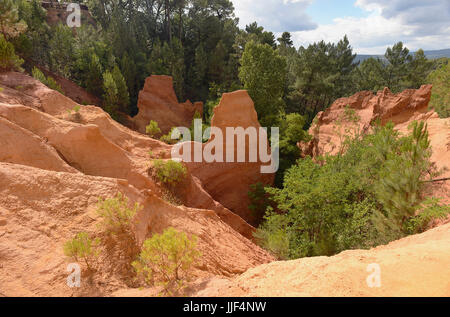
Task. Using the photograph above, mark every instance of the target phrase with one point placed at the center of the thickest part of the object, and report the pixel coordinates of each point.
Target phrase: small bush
(117, 214)
(273, 236)
(169, 172)
(152, 129)
(9, 61)
(167, 138)
(50, 82)
(81, 247)
(431, 210)
(166, 260)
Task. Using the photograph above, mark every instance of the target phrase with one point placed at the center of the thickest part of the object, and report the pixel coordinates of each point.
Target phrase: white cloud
(419, 24)
(275, 15)
(388, 22)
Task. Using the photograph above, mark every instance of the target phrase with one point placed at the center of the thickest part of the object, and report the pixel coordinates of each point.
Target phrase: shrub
(356, 199)
(117, 214)
(431, 210)
(9, 61)
(81, 247)
(50, 82)
(152, 129)
(169, 172)
(440, 97)
(167, 138)
(166, 259)
(273, 236)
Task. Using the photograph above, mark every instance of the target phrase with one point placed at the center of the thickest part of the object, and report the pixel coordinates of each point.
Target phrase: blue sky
(371, 25)
(324, 11)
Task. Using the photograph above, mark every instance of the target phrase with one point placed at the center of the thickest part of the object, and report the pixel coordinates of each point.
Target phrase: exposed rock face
(92, 142)
(401, 109)
(158, 101)
(53, 168)
(43, 209)
(229, 182)
(414, 266)
(384, 106)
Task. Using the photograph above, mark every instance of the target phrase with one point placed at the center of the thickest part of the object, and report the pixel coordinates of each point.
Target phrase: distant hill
(429, 54)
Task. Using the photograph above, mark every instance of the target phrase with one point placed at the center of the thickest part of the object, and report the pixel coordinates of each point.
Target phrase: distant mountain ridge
(435, 54)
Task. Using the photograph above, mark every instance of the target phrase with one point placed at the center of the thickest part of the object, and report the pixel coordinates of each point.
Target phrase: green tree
(263, 73)
(10, 23)
(355, 199)
(440, 96)
(8, 58)
(398, 59)
(166, 259)
(94, 81)
(123, 97)
(419, 68)
(370, 75)
(62, 51)
(285, 40)
(291, 132)
(81, 247)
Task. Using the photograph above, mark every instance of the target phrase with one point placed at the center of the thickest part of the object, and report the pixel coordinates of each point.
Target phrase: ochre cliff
(158, 101)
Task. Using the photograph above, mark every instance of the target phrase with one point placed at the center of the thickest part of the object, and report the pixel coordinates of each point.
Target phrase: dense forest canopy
(199, 43)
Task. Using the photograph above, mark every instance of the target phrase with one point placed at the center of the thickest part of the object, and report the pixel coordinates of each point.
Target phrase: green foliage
(81, 247)
(357, 199)
(61, 50)
(117, 214)
(93, 81)
(169, 172)
(9, 61)
(399, 189)
(263, 73)
(291, 132)
(152, 128)
(167, 138)
(440, 96)
(398, 71)
(10, 23)
(123, 97)
(50, 82)
(318, 75)
(273, 235)
(111, 95)
(431, 209)
(166, 260)
(259, 201)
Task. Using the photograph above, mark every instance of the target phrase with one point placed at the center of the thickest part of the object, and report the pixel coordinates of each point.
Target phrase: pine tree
(10, 24)
(94, 79)
(8, 58)
(123, 97)
(110, 95)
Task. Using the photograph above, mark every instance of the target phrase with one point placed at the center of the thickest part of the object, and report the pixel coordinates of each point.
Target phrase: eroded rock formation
(54, 166)
(158, 101)
(331, 125)
(229, 182)
(413, 266)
